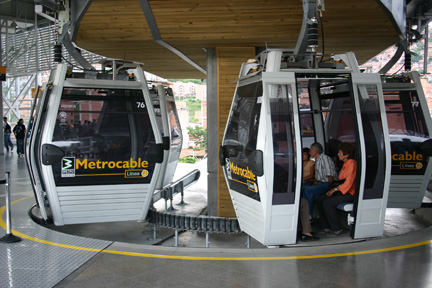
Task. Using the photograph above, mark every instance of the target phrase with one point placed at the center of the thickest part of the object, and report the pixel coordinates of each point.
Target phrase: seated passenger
(325, 173)
(327, 203)
(308, 168)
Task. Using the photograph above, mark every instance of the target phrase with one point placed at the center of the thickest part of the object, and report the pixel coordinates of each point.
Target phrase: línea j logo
(68, 167)
(68, 163)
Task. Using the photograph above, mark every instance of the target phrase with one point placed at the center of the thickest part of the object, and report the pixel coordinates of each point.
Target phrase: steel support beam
(78, 9)
(14, 106)
(1, 95)
(151, 22)
(426, 50)
(401, 47)
(309, 11)
(212, 133)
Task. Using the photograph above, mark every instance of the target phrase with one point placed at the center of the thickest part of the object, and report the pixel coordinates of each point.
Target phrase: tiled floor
(47, 258)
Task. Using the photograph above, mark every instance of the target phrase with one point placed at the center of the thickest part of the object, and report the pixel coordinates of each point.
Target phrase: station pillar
(223, 66)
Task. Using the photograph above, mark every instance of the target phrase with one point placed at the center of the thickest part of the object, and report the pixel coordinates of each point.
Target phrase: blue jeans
(7, 141)
(20, 146)
(310, 193)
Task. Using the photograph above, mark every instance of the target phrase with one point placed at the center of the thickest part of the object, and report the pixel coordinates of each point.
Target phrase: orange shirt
(348, 172)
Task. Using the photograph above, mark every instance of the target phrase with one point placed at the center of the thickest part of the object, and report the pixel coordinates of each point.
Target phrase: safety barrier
(200, 223)
(172, 189)
(9, 237)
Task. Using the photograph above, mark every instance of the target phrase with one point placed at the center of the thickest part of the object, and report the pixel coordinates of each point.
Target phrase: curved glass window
(105, 134)
(407, 130)
(176, 133)
(284, 144)
(374, 142)
(240, 139)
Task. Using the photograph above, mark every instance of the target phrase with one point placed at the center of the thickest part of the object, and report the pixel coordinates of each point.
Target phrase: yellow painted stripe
(239, 181)
(84, 175)
(22, 235)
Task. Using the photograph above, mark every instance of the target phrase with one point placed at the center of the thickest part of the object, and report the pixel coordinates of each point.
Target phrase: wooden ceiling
(118, 29)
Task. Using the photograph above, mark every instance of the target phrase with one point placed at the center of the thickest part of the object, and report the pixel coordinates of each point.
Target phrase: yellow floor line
(22, 235)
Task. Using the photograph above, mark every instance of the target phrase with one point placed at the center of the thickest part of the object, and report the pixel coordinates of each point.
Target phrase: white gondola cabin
(96, 151)
(278, 109)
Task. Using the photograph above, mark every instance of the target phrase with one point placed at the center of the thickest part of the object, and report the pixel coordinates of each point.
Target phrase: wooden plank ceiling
(118, 29)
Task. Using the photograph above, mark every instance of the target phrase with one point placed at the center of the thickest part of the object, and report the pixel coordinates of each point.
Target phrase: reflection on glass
(407, 129)
(105, 125)
(284, 145)
(176, 133)
(374, 142)
(240, 139)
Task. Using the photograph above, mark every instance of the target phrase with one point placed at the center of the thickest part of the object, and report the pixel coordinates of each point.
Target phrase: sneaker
(334, 233)
(324, 231)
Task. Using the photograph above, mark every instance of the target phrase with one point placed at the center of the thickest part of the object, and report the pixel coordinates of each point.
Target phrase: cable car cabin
(169, 125)
(410, 126)
(97, 150)
(277, 111)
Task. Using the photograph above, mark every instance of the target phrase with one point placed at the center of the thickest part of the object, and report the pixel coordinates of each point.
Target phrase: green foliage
(418, 52)
(417, 57)
(188, 159)
(200, 134)
(193, 105)
(196, 81)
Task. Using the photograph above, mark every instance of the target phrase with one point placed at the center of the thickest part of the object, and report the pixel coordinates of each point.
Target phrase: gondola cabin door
(374, 173)
(97, 149)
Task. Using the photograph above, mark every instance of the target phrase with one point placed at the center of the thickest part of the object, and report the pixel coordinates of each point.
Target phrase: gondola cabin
(277, 110)
(96, 149)
(410, 127)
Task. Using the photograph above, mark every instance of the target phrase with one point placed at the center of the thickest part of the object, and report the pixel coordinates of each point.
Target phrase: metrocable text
(85, 164)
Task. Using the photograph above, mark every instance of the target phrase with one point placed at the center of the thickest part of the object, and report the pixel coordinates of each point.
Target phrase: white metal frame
(369, 221)
(63, 214)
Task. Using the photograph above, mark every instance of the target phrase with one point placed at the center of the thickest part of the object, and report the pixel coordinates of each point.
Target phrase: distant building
(201, 91)
(183, 90)
(202, 114)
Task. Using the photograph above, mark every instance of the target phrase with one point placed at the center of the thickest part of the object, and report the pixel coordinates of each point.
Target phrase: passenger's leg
(304, 217)
(304, 188)
(324, 224)
(329, 206)
(309, 197)
(313, 192)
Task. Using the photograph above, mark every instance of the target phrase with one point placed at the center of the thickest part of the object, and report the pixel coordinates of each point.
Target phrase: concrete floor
(125, 258)
(397, 222)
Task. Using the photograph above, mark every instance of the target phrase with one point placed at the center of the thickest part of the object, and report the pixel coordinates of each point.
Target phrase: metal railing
(9, 237)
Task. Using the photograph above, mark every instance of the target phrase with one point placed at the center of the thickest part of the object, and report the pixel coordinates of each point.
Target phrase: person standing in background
(20, 132)
(7, 129)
